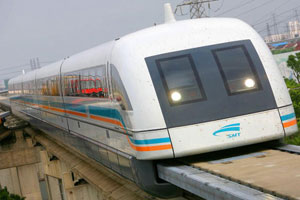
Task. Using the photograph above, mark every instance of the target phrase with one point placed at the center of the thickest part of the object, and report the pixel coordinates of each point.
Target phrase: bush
(294, 90)
(4, 195)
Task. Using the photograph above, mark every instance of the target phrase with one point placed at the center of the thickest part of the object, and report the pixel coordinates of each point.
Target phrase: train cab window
(181, 81)
(237, 69)
(118, 90)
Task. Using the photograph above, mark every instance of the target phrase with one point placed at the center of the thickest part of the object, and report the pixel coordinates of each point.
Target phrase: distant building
(277, 38)
(293, 32)
(294, 28)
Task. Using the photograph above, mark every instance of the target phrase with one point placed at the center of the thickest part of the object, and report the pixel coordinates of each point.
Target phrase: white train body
(172, 90)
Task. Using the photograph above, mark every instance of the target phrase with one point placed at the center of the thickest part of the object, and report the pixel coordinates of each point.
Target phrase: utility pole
(38, 63)
(275, 25)
(197, 8)
(268, 30)
(296, 15)
(35, 63)
(31, 64)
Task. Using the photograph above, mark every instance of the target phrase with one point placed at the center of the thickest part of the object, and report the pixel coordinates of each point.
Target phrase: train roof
(144, 39)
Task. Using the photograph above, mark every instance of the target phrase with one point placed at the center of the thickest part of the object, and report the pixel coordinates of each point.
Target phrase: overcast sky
(54, 29)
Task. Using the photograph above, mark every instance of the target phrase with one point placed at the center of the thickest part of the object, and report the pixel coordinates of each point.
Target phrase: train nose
(215, 97)
(226, 133)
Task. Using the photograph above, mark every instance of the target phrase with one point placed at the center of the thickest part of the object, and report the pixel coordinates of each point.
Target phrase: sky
(54, 29)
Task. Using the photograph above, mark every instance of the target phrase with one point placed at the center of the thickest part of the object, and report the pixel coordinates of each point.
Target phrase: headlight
(176, 96)
(249, 83)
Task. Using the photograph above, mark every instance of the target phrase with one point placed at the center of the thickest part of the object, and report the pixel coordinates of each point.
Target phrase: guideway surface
(271, 171)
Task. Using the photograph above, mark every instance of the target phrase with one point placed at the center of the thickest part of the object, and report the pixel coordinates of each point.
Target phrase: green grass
(293, 139)
(279, 51)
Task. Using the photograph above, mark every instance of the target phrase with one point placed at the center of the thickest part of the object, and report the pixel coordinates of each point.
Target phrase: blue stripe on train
(151, 141)
(287, 117)
(99, 111)
(106, 112)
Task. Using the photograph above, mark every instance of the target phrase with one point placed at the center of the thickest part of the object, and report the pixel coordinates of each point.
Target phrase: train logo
(231, 131)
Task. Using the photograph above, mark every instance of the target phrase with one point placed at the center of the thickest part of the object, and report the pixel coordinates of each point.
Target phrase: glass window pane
(101, 81)
(237, 69)
(118, 90)
(181, 80)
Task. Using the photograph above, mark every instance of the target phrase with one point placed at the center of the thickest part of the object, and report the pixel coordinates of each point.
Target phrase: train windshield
(210, 83)
(237, 69)
(180, 79)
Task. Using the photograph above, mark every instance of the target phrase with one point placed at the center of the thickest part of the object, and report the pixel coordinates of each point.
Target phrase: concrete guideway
(110, 185)
(263, 174)
(63, 164)
(207, 185)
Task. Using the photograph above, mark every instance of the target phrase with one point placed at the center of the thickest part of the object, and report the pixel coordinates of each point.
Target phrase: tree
(294, 63)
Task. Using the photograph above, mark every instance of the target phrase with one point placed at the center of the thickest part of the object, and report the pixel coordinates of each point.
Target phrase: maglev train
(168, 91)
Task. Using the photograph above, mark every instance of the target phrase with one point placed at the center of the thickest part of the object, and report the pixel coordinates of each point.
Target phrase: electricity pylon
(197, 8)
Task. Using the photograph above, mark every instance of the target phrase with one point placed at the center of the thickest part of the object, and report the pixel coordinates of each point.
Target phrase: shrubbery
(294, 90)
(5, 195)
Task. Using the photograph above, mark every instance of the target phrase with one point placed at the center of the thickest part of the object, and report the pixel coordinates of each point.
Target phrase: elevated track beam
(206, 185)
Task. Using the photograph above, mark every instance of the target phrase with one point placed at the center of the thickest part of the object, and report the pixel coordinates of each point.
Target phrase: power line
(277, 23)
(237, 7)
(22, 65)
(262, 19)
(282, 13)
(17, 66)
(19, 71)
(243, 13)
(220, 6)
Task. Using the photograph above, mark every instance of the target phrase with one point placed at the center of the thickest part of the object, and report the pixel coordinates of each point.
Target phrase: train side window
(54, 86)
(39, 87)
(32, 87)
(118, 90)
(75, 84)
(180, 79)
(237, 69)
(71, 83)
(87, 83)
(25, 87)
(84, 82)
(67, 85)
(92, 83)
(44, 87)
(100, 80)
